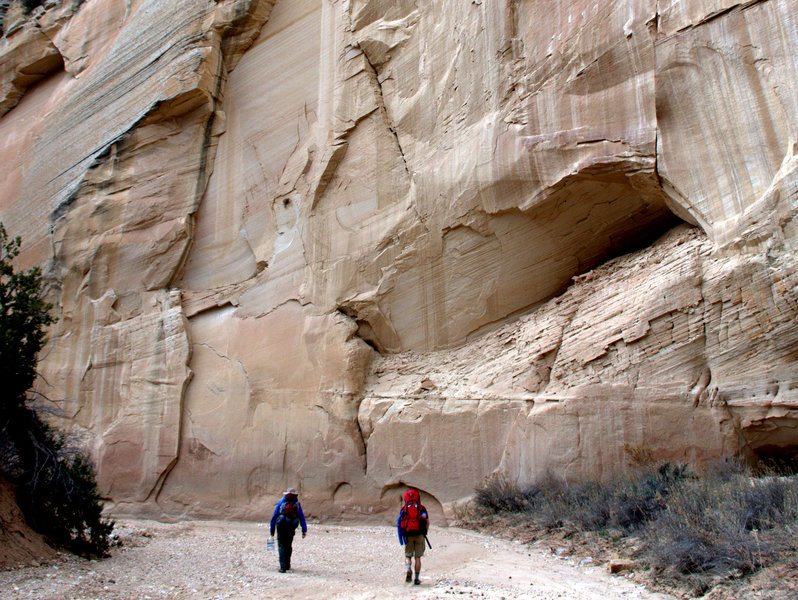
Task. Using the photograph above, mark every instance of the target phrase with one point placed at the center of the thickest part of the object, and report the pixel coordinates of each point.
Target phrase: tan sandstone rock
(353, 245)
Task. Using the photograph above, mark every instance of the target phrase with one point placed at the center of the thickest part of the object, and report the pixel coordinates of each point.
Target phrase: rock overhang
(414, 180)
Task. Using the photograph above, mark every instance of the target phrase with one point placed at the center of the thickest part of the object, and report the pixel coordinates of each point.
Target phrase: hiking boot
(282, 570)
(417, 581)
(409, 576)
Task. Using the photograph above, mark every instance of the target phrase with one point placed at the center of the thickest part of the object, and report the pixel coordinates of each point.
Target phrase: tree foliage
(56, 487)
(29, 5)
(24, 315)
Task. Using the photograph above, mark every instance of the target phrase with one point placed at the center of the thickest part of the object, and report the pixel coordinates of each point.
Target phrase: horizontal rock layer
(349, 246)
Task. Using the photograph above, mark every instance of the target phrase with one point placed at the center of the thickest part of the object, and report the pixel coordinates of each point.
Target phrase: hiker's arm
(302, 520)
(399, 530)
(274, 518)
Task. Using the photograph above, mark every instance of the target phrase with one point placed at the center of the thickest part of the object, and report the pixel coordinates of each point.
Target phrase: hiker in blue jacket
(287, 517)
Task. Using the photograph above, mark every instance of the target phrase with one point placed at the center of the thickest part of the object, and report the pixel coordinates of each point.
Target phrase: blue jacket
(400, 531)
(276, 514)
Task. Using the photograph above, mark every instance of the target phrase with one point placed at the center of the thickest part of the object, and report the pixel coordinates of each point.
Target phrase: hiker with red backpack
(412, 524)
(287, 517)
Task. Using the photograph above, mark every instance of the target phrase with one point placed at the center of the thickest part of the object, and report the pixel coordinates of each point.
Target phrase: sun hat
(290, 491)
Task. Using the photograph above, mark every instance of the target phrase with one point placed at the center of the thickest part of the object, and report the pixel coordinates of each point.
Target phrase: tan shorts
(414, 546)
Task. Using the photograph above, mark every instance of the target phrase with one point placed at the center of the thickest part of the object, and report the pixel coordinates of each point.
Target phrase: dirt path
(224, 560)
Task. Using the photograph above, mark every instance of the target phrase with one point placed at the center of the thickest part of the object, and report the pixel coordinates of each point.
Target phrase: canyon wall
(353, 245)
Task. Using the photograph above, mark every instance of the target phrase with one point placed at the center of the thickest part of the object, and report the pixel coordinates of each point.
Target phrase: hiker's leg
(289, 548)
(408, 561)
(282, 550)
(419, 552)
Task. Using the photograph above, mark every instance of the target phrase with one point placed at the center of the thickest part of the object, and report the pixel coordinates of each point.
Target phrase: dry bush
(724, 524)
(639, 456)
(497, 494)
(624, 502)
(726, 521)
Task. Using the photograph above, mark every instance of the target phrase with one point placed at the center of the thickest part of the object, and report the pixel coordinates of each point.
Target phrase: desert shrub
(778, 462)
(626, 502)
(727, 520)
(55, 486)
(717, 524)
(497, 494)
(640, 498)
(553, 503)
(586, 504)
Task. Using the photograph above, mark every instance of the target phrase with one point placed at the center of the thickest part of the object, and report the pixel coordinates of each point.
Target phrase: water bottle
(270, 544)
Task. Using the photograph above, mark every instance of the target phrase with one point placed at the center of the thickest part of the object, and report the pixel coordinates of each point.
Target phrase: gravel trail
(210, 560)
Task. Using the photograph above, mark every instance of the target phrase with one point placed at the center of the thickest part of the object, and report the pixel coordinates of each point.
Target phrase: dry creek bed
(215, 560)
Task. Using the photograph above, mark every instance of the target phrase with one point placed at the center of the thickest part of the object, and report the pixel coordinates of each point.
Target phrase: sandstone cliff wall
(351, 245)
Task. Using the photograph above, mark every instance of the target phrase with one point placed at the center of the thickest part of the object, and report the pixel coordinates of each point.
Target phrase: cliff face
(347, 245)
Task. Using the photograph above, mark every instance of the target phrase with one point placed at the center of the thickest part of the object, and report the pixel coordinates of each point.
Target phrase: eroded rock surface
(351, 245)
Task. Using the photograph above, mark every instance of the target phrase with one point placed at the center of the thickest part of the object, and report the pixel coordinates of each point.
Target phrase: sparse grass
(728, 522)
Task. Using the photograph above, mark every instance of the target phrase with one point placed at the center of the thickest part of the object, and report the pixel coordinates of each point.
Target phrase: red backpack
(290, 508)
(414, 518)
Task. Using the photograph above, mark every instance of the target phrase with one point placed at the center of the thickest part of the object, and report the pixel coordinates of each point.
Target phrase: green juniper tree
(56, 488)
(24, 315)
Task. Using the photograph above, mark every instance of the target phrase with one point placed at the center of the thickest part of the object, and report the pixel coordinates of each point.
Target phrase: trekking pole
(427, 540)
